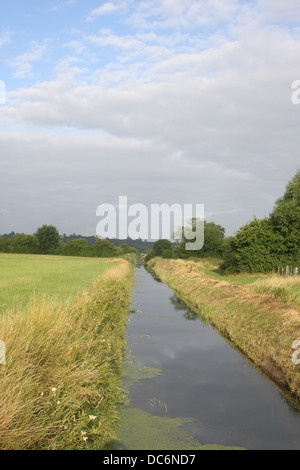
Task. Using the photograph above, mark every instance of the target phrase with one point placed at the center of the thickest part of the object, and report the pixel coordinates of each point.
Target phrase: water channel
(189, 389)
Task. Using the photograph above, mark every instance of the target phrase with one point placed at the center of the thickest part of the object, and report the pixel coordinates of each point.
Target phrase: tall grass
(284, 288)
(60, 387)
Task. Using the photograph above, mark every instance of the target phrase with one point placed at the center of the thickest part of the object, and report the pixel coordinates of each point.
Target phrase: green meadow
(30, 278)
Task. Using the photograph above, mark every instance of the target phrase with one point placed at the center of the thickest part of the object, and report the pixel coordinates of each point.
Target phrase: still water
(187, 387)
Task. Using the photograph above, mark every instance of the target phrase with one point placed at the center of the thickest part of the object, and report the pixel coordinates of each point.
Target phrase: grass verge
(60, 387)
(257, 323)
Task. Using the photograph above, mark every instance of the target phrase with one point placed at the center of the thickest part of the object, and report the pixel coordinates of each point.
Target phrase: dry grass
(60, 387)
(282, 287)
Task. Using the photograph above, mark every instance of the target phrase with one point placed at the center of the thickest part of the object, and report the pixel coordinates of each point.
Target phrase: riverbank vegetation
(60, 387)
(260, 246)
(258, 314)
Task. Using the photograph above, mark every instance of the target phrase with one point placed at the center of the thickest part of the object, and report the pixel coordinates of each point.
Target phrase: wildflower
(92, 417)
(54, 390)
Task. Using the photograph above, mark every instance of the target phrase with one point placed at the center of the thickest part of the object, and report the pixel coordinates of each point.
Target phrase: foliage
(19, 243)
(213, 240)
(47, 238)
(252, 249)
(263, 245)
(104, 249)
(48, 241)
(160, 247)
(285, 220)
(76, 247)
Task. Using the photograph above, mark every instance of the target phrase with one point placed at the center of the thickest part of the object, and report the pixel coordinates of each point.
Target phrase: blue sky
(168, 101)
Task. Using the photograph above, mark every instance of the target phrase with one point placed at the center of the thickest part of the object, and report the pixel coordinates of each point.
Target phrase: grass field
(64, 327)
(28, 278)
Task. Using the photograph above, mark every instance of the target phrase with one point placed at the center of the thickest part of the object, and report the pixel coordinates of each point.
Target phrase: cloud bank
(184, 102)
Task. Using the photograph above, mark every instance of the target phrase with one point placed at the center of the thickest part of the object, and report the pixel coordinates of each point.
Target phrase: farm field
(63, 323)
(27, 278)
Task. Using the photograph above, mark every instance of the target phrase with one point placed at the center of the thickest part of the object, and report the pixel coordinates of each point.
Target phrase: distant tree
(22, 243)
(213, 240)
(163, 248)
(19, 243)
(160, 246)
(104, 249)
(168, 253)
(75, 247)
(47, 238)
(127, 249)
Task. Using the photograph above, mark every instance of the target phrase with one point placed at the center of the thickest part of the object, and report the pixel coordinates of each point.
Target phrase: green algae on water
(141, 431)
(133, 373)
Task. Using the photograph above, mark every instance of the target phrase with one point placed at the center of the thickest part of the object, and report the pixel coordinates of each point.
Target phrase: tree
(161, 245)
(104, 249)
(22, 243)
(213, 240)
(47, 238)
(252, 248)
(285, 220)
(75, 247)
(263, 245)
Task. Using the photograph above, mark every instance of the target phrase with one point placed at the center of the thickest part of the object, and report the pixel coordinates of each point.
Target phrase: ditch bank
(60, 387)
(258, 325)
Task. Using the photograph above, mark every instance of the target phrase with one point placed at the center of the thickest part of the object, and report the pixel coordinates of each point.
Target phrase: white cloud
(5, 37)
(4, 211)
(280, 11)
(61, 6)
(165, 111)
(104, 9)
(23, 62)
(183, 13)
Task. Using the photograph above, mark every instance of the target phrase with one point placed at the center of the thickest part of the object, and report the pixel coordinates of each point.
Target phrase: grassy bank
(60, 387)
(246, 310)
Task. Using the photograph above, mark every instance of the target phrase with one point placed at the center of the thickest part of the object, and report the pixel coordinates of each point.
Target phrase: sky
(162, 101)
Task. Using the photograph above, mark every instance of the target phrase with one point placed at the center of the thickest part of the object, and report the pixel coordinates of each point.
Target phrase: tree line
(261, 245)
(47, 240)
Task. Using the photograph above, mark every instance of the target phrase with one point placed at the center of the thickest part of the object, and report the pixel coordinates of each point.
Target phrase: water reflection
(179, 304)
(202, 377)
